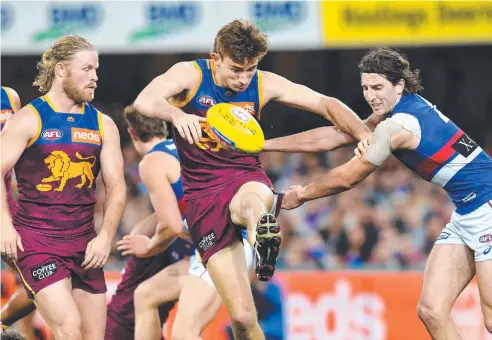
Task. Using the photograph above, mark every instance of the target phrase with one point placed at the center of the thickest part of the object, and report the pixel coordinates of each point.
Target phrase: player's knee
(430, 314)
(144, 295)
(240, 205)
(69, 330)
(244, 318)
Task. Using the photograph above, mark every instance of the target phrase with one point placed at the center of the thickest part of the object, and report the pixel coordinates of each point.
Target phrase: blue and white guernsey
(446, 156)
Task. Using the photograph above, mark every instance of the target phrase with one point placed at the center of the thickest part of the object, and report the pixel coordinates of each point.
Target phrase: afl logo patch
(52, 134)
(485, 238)
(206, 101)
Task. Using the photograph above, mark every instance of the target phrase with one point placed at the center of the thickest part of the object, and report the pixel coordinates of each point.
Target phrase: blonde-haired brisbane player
(226, 191)
(59, 143)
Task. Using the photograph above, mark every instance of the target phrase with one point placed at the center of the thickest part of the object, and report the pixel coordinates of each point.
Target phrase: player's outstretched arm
(340, 179)
(387, 137)
(280, 89)
(153, 101)
(20, 129)
(169, 221)
(322, 139)
(111, 159)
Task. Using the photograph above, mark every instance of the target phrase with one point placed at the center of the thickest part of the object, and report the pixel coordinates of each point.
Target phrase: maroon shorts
(116, 330)
(209, 218)
(48, 259)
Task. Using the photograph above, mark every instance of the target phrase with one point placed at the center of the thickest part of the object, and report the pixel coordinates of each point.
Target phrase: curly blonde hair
(62, 50)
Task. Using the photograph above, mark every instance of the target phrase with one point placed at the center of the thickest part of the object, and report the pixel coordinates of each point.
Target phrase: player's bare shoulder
(109, 128)
(155, 164)
(186, 73)
(25, 123)
(272, 83)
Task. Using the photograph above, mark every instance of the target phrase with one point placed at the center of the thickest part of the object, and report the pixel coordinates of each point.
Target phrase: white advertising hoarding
(29, 27)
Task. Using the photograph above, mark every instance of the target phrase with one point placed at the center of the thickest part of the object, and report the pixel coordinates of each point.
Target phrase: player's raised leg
(58, 308)
(93, 310)
(448, 271)
(229, 273)
(163, 287)
(251, 207)
(198, 304)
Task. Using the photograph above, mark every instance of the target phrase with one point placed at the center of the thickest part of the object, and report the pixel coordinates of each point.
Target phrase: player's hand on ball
(292, 197)
(188, 126)
(97, 251)
(138, 245)
(361, 148)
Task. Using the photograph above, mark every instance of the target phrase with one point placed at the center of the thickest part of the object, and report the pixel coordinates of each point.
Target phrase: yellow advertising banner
(366, 23)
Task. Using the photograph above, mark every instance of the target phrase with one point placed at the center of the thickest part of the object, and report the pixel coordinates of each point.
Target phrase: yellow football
(235, 128)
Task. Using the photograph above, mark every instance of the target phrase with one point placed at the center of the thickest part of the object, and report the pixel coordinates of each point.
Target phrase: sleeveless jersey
(447, 156)
(8, 106)
(56, 174)
(206, 166)
(7, 109)
(169, 148)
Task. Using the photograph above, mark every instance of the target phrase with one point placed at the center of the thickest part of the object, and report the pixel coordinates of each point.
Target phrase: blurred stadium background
(351, 265)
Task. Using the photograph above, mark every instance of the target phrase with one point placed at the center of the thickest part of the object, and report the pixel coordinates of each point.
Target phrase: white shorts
(198, 269)
(473, 230)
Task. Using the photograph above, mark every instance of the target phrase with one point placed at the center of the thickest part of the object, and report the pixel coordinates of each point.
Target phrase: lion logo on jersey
(208, 142)
(63, 168)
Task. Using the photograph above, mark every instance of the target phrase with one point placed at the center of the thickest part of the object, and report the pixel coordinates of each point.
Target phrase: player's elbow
(328, 104)
(143, 105)
(170, 228)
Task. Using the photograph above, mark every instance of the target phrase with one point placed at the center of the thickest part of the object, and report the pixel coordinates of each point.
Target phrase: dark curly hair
(392, 64)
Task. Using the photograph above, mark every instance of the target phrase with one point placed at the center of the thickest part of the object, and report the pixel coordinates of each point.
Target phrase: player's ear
(60, 69)
(215, 58)
(132, 134)
(400, 87)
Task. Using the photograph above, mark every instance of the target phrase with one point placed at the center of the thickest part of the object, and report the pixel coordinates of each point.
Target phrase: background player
(199, 301)
(432, 146)
(163, 267)
(58, 144)
(198, 298)
(19, 308)
(225, 190)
